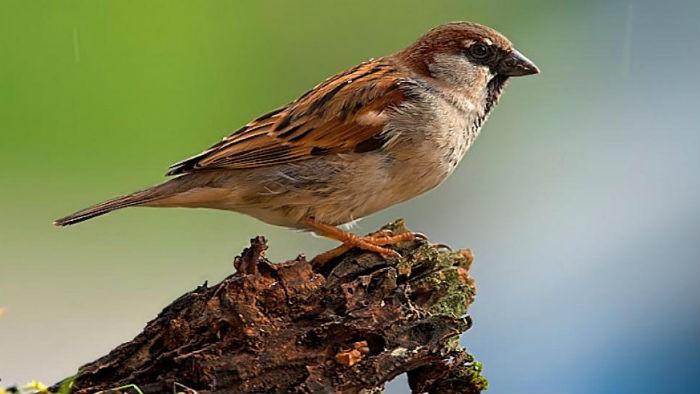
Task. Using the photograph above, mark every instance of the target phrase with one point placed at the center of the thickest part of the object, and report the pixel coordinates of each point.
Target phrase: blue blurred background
(580, 199)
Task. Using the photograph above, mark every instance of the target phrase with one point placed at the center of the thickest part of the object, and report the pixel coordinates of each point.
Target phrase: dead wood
(349, 327)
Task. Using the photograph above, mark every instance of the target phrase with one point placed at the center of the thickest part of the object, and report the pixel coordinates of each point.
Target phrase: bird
(367, 138)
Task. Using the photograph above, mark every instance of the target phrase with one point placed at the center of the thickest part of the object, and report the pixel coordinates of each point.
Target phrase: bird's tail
(102, 208)
(183, 191)
(142, 197)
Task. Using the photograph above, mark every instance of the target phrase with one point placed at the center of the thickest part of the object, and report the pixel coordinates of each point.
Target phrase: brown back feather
(337, 116)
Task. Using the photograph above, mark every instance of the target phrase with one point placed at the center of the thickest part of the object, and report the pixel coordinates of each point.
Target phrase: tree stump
(347, 327)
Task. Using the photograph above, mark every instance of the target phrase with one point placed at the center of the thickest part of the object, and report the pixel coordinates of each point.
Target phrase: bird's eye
(479, 51)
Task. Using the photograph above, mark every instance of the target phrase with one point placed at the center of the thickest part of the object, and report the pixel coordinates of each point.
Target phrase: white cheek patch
(457, 70)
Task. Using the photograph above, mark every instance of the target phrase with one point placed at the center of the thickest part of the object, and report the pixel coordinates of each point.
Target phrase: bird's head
(468, 57)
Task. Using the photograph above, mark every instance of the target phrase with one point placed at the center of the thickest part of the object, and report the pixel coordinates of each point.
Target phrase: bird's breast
(439, 130)
(432, 138)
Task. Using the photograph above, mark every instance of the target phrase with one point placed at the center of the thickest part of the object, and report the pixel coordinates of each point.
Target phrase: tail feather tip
(60, 222)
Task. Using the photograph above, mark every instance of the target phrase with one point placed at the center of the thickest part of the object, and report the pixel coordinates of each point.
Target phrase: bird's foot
(373, 243)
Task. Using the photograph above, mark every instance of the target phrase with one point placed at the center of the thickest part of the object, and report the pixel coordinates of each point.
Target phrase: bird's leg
(371, 243)
(387, 238)
(325, 257)
(347, 238)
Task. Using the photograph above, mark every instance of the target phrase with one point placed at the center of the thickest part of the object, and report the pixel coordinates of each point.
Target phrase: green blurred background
(580, 199)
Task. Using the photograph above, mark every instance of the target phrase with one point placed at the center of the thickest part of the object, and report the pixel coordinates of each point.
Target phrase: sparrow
(372, 136)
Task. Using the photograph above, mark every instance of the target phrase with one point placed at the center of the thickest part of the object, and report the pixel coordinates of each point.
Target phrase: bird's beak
(516, 65)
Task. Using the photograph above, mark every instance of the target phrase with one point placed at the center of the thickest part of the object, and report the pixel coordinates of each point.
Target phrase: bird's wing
(345, 113)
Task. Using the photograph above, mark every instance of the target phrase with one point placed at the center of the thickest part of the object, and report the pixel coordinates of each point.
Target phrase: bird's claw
(420, 236)
(391, 254)
(443, 246)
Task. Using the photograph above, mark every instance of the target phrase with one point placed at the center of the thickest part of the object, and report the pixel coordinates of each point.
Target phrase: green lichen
(446, 280)
(456, 295)
(440, 284)
(471, 371)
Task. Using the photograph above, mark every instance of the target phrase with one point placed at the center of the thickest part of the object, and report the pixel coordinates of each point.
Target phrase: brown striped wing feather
(345, 113)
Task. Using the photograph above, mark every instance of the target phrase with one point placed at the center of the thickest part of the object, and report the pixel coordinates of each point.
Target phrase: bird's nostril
(510, 62)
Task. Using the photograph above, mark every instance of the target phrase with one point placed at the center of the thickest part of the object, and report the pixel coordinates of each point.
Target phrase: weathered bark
(351, 327)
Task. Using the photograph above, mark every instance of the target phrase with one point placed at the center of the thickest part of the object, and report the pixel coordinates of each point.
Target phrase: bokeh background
(581, 198)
